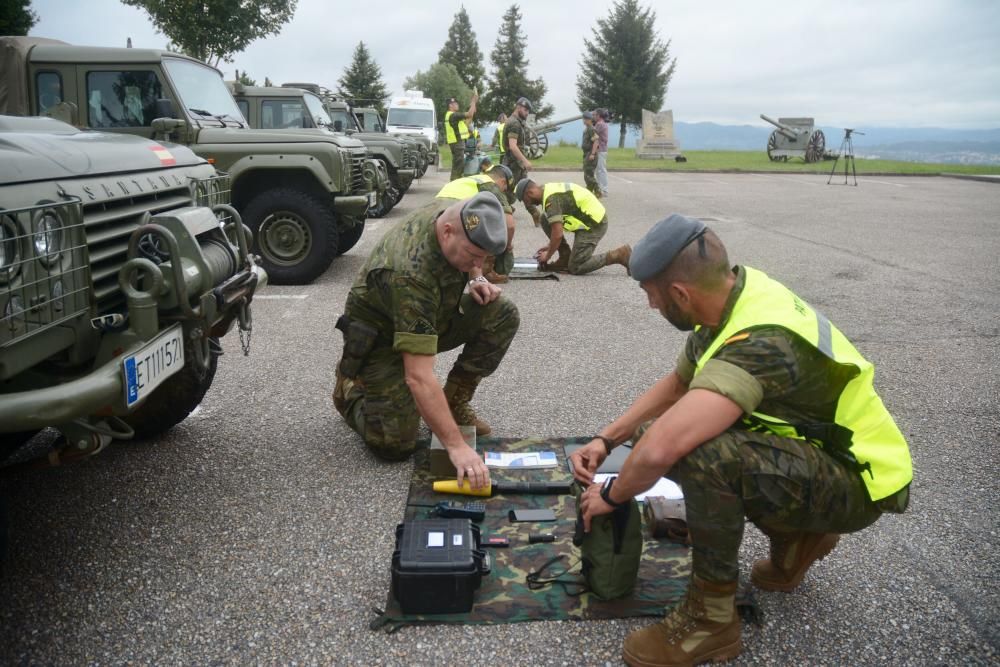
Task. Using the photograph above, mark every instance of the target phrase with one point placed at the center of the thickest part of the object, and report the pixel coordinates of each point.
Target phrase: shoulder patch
(737, 338)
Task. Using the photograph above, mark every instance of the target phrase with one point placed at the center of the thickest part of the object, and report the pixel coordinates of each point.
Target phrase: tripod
(847, 150)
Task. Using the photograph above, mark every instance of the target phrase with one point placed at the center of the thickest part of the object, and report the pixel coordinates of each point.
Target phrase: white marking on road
(871, 180)
(620, 178)
(280, 296)
(786, 178)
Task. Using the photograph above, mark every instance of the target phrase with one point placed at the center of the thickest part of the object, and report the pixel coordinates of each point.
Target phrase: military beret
(505, 170)
(452, 99)
(483, 222)
(521, 187)
(587, 115)
(654, 251)
(524, 102)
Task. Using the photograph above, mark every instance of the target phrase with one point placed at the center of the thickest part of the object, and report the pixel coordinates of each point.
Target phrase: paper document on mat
(663, 487)
(523, 460)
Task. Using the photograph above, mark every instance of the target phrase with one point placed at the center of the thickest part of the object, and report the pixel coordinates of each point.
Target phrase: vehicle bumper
(405, 177)
(351, 204)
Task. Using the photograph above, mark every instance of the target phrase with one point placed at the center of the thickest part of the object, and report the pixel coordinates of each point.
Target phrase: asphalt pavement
(260, 530)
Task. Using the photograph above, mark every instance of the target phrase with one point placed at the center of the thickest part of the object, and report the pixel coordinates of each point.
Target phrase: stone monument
(657, 136)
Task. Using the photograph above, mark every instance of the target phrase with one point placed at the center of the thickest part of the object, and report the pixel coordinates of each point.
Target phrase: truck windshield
(341, 116)
(411, 117)
(201, 88)
(315, 105)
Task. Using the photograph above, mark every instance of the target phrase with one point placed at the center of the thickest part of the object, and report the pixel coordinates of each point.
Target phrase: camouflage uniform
(590, 165)
(504, 262)
(409, 293)
(514, 127)
(781, 484)
(581, 258)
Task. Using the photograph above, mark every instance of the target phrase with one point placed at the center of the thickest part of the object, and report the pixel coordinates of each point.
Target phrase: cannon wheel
(533, 144)
(772, 145)
(816, 147)
(543, 144)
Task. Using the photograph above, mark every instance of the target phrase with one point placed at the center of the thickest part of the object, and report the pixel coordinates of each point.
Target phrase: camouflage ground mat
(526, 268)
(504, 596)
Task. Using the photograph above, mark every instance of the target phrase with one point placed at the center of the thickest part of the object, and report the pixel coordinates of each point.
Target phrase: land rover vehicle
(412, 113)
(369, 120)
(117, 280)
(289, 106)
(303, 195)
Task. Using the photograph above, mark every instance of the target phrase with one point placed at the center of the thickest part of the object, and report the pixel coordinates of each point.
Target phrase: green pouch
(610, 552)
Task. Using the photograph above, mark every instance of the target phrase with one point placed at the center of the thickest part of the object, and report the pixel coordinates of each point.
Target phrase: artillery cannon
(535, 141)
(795, 137)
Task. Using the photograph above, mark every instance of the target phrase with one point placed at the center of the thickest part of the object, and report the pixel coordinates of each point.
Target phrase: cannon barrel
(783, 130)
(553, 125)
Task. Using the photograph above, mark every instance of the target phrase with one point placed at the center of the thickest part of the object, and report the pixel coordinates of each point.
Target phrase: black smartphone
(531, 515)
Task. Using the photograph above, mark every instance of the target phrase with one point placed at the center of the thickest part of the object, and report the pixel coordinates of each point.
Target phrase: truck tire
(174, 400)
(295, 234)
(350, 237)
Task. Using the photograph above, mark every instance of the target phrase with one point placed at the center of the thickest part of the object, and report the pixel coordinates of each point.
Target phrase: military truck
(369, 120)
(293, 109)
(304, 195)
(117, 280)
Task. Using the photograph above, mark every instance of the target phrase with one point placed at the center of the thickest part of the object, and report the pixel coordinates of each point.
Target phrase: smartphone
(531, 515)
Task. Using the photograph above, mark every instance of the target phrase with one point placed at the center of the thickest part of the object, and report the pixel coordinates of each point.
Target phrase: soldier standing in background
(498, 135)
(456, 132)
(589, 145)
(408, 304)
(514, 136)
(601, 125)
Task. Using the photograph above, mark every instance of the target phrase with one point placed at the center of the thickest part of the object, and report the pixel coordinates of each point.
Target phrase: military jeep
(117, 280)
(305, 196)
(369, 120)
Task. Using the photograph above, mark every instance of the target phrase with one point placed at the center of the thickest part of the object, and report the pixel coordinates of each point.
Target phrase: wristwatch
(478, 279)
(606, 493)
(609, 444)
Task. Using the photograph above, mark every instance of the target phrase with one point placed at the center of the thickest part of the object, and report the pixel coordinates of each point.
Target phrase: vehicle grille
(408, 158)
(358, 171)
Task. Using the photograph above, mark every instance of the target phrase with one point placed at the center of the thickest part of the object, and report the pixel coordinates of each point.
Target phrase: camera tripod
(847, 151)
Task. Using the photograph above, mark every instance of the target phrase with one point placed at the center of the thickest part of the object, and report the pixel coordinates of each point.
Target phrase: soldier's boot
(704, 626)
(620, 255)
(562, 264)
(490, 274)
(459, 392)
(791, 555)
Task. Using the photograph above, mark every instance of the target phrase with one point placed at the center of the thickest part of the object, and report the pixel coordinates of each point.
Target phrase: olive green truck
(304, 195)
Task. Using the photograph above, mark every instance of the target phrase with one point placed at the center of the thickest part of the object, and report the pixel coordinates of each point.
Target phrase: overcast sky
(908, 63)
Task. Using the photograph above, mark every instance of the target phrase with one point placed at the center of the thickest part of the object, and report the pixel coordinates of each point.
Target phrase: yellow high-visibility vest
(449, 130)
(875, 440)
(464, 188)
(501, 142)
(589, 210)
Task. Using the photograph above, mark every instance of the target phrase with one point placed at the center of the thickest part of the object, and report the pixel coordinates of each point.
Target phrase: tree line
(624, 68)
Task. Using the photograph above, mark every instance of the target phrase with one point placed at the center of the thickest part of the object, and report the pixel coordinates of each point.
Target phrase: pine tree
(362, 81)
(244, 78)
(509, 79)
(626, 67)
(462, 51)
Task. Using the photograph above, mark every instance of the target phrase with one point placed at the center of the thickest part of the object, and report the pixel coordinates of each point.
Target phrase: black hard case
(437, 579)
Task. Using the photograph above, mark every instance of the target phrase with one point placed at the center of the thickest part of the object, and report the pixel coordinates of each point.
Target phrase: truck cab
(412, 113)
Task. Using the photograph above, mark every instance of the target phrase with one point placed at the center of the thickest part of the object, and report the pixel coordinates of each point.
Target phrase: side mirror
(338, 126)
(165, 109)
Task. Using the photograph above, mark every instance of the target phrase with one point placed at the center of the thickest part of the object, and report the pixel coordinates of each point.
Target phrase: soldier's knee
(390, 429)
(504, 316)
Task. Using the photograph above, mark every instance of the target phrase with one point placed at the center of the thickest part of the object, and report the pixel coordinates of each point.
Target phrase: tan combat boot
(620, 255)
(459, 395)
(490, 274)
(791, 556)
(703, 627)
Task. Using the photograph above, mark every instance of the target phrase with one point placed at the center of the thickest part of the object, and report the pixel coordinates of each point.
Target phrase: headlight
(9, 254)
(47, 236)
(14, 310)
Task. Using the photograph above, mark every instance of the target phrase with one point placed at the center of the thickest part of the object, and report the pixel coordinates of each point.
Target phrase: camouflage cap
(505, 170)
(587, 115)
(654, 251)
(521, 186)
(524, 102)
(483, 222)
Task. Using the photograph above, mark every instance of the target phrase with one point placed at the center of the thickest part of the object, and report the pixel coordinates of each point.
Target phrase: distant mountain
(916, 144)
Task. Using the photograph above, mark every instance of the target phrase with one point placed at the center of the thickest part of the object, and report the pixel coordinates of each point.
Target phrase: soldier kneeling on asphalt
(567, 207)
(408, 304)
(770, 415)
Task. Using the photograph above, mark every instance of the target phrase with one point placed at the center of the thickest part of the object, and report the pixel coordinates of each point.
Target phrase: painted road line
(871, 180)
(280, 296)
(620, 178)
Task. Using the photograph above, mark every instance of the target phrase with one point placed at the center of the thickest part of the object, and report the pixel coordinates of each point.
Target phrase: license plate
(372, 198)
(147, 369)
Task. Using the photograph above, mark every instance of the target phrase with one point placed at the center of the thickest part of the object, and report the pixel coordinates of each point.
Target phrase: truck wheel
(174, 400)
(350, 237)
(295, 234)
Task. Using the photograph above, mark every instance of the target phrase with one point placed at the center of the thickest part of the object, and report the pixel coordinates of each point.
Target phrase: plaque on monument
(657, 136)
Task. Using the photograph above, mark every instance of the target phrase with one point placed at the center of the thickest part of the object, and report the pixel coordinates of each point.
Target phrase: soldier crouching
(408, 304)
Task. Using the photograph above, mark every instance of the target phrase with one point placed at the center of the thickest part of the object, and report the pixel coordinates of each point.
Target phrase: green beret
(654, 251)
(520, 188)
(483, 222)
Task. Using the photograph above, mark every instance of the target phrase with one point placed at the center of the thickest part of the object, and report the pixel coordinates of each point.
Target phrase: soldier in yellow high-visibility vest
(497, 182)
(456, 131)
(770, 415)
(568, 207)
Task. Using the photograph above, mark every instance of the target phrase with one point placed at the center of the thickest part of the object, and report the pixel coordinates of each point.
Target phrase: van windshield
(411, 117)
(318, 111)
(202, 90)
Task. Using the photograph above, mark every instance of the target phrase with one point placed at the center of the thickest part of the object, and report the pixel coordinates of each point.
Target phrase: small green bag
(610, 552)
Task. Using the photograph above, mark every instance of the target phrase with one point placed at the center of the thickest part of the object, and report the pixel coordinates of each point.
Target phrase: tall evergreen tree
(509, 79)
(626, 67)
(362, 80)
(461, 50)
(16, 17)
(438, 83)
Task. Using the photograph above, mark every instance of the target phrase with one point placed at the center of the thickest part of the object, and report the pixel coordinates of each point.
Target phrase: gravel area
(260, 530)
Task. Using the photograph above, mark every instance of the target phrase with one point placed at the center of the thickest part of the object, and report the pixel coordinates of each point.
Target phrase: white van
(412, 113)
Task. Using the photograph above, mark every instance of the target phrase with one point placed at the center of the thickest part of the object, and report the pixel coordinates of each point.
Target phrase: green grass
(569, 157)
